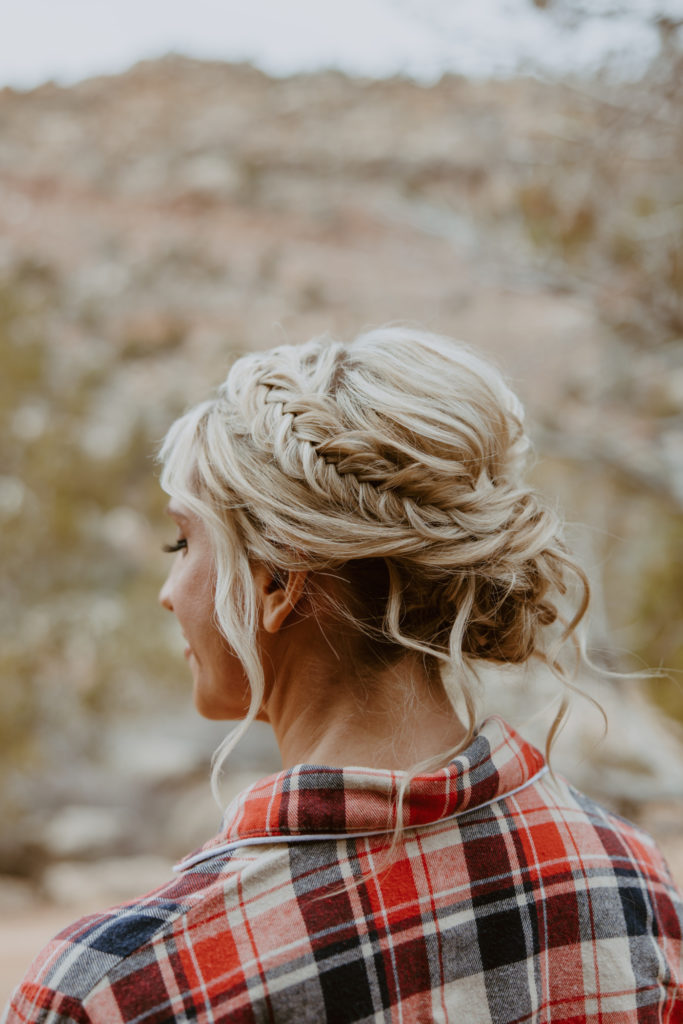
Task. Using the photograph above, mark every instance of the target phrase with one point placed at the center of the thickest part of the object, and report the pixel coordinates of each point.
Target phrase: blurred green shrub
(81, 632)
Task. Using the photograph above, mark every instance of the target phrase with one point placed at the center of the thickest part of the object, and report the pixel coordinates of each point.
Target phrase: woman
(354, 537)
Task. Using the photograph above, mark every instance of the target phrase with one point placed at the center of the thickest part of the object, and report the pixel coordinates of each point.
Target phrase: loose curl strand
(394, 465)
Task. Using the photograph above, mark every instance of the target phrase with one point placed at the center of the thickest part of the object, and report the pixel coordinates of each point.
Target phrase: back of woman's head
(395, 465)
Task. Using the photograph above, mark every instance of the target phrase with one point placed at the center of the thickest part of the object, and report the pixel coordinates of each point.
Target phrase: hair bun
(397, 461)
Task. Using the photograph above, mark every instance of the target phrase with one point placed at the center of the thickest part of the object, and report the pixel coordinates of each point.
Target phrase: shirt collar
(315, 802)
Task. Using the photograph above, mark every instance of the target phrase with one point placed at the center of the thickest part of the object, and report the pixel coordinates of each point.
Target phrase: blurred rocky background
(156, 224)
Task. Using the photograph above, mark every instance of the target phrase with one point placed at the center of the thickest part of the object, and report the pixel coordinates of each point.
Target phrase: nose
(165, 596)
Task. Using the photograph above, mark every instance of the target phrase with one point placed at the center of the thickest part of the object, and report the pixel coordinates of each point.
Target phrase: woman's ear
(279, 592)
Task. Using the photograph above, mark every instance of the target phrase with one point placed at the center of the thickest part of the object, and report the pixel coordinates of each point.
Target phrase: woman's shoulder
(609, 850)
(96, 967)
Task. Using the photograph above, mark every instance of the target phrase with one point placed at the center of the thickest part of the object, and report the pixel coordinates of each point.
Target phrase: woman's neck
(322, 713)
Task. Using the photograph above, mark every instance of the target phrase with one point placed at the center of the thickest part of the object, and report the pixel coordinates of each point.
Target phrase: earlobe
(280, 594)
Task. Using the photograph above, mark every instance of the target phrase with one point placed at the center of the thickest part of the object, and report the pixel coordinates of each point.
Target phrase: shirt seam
(319, 837)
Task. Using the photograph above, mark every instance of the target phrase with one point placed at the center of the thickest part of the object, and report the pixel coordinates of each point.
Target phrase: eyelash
(179, 545)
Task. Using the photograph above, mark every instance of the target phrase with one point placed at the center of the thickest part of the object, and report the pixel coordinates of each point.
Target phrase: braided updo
(397, 464)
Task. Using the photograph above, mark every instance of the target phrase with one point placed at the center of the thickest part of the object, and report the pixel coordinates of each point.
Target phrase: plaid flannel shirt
(511, 897)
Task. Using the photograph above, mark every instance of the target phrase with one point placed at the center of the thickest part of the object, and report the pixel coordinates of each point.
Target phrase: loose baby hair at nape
(403, 453)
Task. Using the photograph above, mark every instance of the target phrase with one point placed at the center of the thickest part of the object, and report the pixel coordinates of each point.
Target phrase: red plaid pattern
(511, 898)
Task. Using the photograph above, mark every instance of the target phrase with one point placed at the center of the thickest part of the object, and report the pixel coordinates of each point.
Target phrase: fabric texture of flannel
(510, 897)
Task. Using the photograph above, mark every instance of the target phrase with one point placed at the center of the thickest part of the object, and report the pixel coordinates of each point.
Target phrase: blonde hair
(398, 459)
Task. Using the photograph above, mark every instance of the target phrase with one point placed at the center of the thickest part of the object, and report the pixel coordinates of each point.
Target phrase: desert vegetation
(158, 223)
